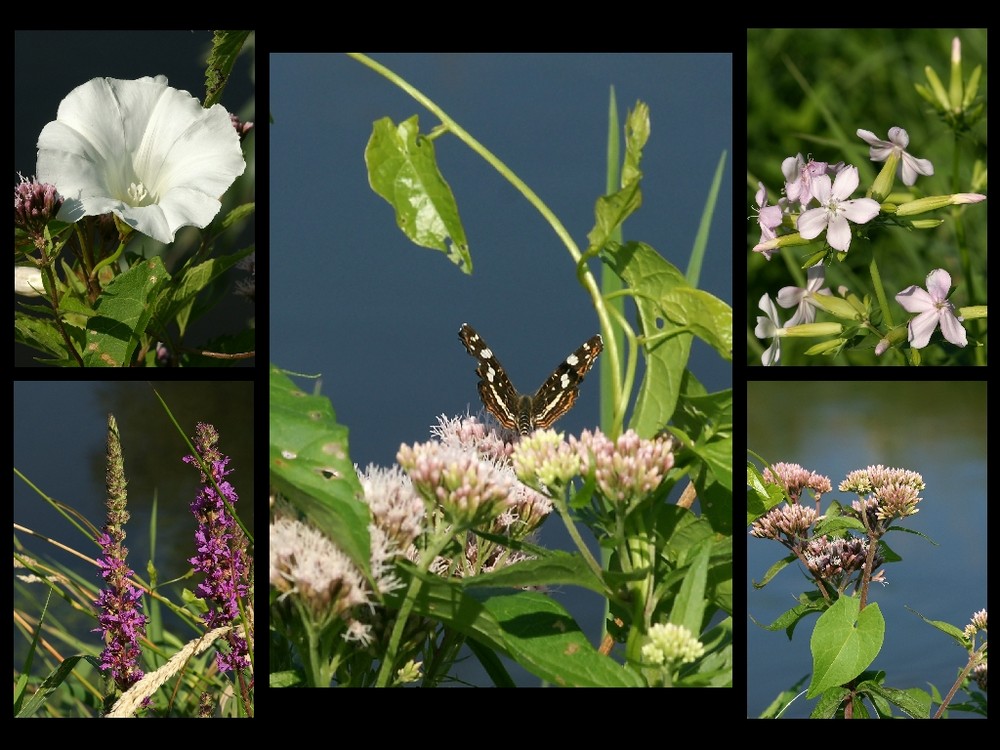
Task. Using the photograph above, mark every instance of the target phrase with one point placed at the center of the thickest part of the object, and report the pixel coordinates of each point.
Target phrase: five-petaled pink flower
(932, 307)
(836, 210)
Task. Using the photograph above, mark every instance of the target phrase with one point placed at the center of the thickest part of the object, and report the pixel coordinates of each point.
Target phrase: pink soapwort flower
(768, 326)
(790, 296)
(799, 175)
(899, 139)
(932, 308)
(837, 210)
(768, 217)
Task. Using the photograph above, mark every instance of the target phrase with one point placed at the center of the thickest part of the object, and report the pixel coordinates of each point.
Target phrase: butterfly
(515, 410)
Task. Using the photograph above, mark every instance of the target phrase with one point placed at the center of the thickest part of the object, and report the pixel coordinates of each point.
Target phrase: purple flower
(121, 624)
(222, 549)
(768, 217)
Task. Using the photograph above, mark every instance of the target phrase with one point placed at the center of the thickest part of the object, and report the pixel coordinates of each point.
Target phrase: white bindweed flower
(142, 150)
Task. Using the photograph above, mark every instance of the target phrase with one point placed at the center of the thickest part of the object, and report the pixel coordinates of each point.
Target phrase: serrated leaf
(402, 168)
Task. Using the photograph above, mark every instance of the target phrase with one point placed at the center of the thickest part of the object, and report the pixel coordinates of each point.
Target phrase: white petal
(860, 210)
(915, 300)
(938, 284)
(921, 328)
(839, 234)
(812, 222)
(846, 183)
(953, 330)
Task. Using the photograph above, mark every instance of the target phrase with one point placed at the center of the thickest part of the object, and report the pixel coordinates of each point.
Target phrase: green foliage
(402, 168)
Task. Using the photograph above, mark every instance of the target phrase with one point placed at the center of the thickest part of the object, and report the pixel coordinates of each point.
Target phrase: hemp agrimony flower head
(627, 469)
(482, 434)
(545, 461)
(222, 548)
(467, 481)
(395, 506)
(456, 482)
(669, 643)
(977, 623)
(793, 521)
(894, 493)
(35, 205)
(795, 479)
(837, 559)
(118, 604)
(309, 569)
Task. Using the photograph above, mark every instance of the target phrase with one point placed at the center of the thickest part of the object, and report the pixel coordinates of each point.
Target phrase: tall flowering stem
(118, 606)
(222, 548)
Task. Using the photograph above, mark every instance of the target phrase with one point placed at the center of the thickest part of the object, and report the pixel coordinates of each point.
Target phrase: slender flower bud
(118, 604)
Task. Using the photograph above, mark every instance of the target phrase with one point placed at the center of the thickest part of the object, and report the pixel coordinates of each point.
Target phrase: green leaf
(914, 702)
(559, 568)
(671, 312)
(957, 634)
(527, 626)
(689, 606)
(226, 46)
(844, 643)
(176, 302)
(123, 311)
(611, 210)
(311, 467)
(544, 639)
(402, 168)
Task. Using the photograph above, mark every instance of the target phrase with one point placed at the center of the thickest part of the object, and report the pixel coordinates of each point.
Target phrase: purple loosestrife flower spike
(222, 548)
(118, 605)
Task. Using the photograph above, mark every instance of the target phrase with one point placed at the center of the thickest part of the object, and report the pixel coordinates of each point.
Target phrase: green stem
(107, 261)
(385, 673)
(586, 276)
